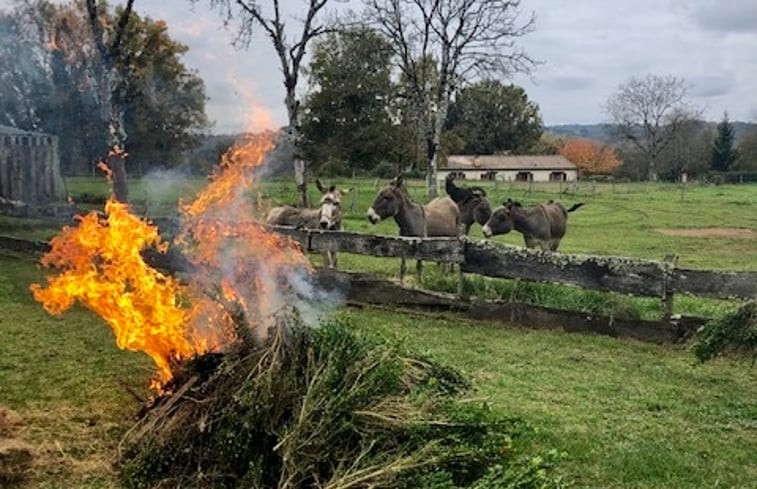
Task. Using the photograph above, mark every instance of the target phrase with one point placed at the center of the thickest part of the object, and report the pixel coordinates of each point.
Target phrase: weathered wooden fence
(647, 278)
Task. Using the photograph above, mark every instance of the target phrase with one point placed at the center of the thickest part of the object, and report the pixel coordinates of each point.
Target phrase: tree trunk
(652, 174)
(117, 165)
(431, 185)
(298, 163)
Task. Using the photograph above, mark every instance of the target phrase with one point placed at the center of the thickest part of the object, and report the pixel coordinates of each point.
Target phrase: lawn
(618, 219)
(626, 414)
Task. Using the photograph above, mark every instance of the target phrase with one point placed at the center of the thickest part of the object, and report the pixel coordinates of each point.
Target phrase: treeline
(49, 83)
(357, 118)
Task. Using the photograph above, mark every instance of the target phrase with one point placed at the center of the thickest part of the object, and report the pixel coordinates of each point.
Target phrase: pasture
(626, 414)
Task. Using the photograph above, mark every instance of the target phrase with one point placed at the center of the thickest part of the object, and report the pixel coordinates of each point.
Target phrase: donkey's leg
(419, 268)
(403, 270)
(333, 259)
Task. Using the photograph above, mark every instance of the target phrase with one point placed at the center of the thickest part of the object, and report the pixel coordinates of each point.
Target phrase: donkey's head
(330, 211)
(501, 220)
(388, 201)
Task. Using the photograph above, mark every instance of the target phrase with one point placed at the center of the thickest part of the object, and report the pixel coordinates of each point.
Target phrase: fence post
(355, 190)
(668, 264)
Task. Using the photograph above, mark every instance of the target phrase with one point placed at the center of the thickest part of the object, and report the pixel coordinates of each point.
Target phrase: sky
(585, 49)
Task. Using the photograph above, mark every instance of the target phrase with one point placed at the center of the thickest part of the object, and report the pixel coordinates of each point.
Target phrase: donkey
(440, 217)
(542, 226)
(327, 216)
(471, 201)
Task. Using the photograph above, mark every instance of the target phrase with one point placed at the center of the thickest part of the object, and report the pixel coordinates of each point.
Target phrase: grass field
(627, 414)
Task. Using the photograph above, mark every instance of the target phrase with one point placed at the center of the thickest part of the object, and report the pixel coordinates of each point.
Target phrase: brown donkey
(440, 217)
(471, 201)
(542, 226)
(327, 216)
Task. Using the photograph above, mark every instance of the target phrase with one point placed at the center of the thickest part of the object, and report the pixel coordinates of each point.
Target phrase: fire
(103, 269)
(239, 267)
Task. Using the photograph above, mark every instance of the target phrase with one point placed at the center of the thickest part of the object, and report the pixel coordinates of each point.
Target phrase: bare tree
(107, 40)
(649, 112)
(290, 54)
(439, 44)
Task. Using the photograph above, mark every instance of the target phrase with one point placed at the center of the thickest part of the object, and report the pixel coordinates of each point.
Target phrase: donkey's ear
(398, 181)
(320, 186)
(508, 203)
(332, 188)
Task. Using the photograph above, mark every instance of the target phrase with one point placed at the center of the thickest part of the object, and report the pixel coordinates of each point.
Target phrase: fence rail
(648, 278)
(624, 275)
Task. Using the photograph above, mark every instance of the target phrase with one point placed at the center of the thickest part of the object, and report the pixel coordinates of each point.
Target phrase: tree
(724, 154)
(48, 84)
(591, 157)
(438, 45)
(689, 152)
(107, 39)
(163, 101)
(748, 151)
(346, 116)
(290, 53)
(648, 112)
(491, 117)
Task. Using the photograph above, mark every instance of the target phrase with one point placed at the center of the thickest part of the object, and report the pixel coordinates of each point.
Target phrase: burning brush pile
(249, 393)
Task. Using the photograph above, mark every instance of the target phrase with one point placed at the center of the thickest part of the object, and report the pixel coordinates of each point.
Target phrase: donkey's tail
(575, 206)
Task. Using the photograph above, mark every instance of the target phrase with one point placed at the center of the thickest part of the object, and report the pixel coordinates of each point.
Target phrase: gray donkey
(327, 216)
(440, 217)
(471, 201)
(542, 226)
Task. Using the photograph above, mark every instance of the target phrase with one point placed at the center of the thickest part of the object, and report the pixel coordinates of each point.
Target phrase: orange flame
(102, 267)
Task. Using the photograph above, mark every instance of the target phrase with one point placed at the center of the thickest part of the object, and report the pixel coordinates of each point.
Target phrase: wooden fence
(647, 278)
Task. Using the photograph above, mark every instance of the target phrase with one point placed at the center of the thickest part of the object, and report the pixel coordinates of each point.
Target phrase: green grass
(628, 414)
(617, 219)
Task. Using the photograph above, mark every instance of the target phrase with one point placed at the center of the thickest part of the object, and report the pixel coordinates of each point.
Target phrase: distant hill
(604, 132)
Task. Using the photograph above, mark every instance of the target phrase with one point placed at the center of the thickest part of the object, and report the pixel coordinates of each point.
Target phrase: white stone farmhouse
(509, 168)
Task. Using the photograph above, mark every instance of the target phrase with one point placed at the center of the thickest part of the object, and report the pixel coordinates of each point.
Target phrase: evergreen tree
(724, 153)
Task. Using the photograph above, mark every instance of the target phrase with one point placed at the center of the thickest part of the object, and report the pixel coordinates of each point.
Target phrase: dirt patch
(16, 457)
(736, 233)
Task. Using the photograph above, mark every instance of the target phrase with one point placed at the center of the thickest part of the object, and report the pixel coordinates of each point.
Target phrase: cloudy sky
(586, 48)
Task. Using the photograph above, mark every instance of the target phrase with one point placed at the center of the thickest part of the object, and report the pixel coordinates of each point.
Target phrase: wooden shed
(29, 167)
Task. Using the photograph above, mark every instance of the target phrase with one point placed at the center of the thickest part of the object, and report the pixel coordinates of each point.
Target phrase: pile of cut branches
(735, 332)
(325, 408)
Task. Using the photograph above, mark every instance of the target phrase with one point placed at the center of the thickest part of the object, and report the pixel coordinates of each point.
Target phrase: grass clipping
(325, 408)
(735, 332)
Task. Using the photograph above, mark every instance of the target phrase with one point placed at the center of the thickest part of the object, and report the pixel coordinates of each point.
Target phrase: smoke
(260, 273)
(165, 185)
(314, 301)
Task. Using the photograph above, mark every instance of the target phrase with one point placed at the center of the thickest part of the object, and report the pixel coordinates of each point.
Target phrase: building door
(558, 176)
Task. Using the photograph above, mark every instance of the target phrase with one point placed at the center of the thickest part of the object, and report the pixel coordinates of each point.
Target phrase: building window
(459, 175)
(558, 176)
(524, 176)
(490, 176)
